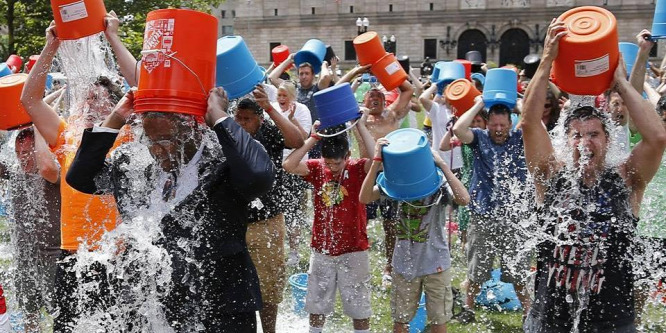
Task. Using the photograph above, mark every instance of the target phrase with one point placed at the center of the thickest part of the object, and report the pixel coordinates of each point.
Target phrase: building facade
(504, 31)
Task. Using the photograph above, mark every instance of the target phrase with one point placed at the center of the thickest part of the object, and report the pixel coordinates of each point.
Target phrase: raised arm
(426, 98)
(290, 132)
(539, 153)
(48, 168)
(460, 195)
(325, 76)
(399, 108)
(461, 127)
(126, 61)
(274, 77)
(369, 191)
(365, 138)
(353, 73)
(43, 116)
(637, 75)
(293, 163)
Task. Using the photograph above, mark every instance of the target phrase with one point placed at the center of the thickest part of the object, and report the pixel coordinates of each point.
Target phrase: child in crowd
(339, 244)
(421, 259)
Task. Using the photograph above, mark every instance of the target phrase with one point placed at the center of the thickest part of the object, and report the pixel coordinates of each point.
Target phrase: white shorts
(349, 273)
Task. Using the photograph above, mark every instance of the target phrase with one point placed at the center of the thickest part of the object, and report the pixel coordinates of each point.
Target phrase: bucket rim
(294, 283)
(233, 94)
(383, 184)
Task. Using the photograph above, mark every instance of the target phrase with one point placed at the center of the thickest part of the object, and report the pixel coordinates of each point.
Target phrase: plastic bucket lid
(237, 71)
(659, 20)
(4, 70)
(78, 18)
(460, 94)
(12, 114)
(389, 72)
(369, 48)
(588, 54)
(312, 52)
(336, 105)
(178, 59)
(409, 151)
(500, 87)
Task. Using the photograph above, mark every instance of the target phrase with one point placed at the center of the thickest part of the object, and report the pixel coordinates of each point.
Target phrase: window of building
(432, 6)
(430, 48)
(271, 46)
(275, 12)
(350, 52)
(233, 14)
(390, 7)
(227, 30)
(313, 10)
(351, 9)
(223, 14)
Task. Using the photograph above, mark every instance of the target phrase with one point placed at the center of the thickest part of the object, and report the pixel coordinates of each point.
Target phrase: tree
(26, 21)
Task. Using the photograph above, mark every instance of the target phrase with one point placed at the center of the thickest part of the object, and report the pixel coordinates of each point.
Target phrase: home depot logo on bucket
(157, 32)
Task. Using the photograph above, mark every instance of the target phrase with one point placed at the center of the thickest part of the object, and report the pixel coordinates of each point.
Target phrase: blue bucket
(418, 323)
(449, 71)
(236, 71)
(336, 105)
(498, 295)
(659, 21)
(299, 288)
(4, 70)
(501, 87)
(49, 82)
(434, 77)
(629, 53)
(313, 52)
(409, 150)
(479, 77)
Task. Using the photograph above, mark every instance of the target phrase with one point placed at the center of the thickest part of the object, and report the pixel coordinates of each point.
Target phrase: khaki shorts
(406, 295)
(265, 241)
(349, 273)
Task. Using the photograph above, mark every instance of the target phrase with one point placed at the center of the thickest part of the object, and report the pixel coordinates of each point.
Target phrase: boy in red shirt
(339, 240)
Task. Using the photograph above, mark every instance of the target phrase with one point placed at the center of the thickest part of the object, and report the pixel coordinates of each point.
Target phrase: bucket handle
(144, 52)
(338, 133)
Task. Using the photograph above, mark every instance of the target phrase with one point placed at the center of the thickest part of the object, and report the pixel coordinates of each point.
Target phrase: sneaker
(465, 316)
(293, 259)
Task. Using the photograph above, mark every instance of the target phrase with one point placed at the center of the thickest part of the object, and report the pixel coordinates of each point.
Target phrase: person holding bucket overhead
(84, 218)
(422, 261)
(587, 206)
(339, 259)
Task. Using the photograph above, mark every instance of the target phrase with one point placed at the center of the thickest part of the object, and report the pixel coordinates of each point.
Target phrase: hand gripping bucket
(237, 71)
(336, 105)
(312, 52)
(629, 53)
(389, 72)
(299, 289)
(178, 64)
(12, 114)
(588, 54)
(468, 67)
(5, 70)
(501, 87)
(460, 94)
(75, 19)
(280, 54)
(15, 61)
(369, 48)
(449, 71)
(409, 172)
(659, 21)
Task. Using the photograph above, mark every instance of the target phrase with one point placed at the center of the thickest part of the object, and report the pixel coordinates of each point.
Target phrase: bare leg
(362, 324)
(524, 298)
(390, 231)
(269, 317)
(400, 327)
(441, 328)
(640, 297)
(473, 289)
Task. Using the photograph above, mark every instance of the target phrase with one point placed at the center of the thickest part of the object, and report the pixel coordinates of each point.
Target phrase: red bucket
(178, 64)
(468, 68)
(31, 62)
(15, 62)
(78, 18)
(280, 54)
(12, 114)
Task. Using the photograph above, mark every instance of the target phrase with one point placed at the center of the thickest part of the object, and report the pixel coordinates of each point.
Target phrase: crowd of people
(230, 190)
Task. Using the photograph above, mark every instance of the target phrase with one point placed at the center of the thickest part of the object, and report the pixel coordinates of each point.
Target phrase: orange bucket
(460, 94)
(389, 72)
(178, 64)
(78, 18)
(280, 54)
(589, 54)
(369, 48)
(12, 114)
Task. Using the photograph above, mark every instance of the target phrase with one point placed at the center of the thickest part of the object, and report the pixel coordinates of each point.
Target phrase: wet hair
(661, 106)
(25, 134)
(115, 93)
(285, 76)
(554, 106)
(290, 88)
(499, 109)
(335, 147)
(374, 89)
(248, 104)
(307, 64)
(586, 113)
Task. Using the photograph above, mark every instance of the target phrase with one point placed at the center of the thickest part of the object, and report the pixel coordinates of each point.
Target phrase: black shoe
(465, 316)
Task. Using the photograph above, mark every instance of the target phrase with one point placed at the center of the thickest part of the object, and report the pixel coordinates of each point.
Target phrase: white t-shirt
(439, 116)
(271, 92)
(302, 115)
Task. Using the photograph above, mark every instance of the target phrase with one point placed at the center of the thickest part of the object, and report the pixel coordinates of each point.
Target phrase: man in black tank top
(587, 209)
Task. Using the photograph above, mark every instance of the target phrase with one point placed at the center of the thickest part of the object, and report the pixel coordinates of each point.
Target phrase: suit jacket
(212, 219)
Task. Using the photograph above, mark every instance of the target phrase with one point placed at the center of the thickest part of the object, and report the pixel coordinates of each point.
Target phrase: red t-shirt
(340, 223)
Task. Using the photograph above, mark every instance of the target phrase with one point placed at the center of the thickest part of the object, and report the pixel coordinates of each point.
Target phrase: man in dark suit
(199, 185)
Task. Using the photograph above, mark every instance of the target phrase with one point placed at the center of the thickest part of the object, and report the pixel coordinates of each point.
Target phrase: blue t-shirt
(496, 170)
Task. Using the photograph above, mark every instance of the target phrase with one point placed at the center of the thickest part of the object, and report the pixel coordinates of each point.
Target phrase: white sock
(316, 329)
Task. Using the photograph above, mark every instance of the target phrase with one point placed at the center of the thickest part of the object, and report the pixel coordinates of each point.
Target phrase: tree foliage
(29, 19)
